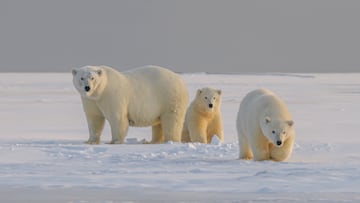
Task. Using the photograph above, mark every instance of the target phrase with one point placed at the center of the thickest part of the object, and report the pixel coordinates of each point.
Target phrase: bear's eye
(284, 132)
(273, 132)
(92, 78)
(214, 98)
(205, 97)
(81, 78)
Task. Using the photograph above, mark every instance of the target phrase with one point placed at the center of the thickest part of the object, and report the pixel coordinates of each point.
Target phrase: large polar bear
(265, 127)
(203, 117)
(146, 96)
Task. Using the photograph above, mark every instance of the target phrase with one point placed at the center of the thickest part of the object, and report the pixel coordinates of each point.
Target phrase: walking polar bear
(146, 96)
(203, 117)
(265, 127)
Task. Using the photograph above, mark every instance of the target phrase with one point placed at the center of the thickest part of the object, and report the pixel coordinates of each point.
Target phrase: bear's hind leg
(172, 125)
(157, 134)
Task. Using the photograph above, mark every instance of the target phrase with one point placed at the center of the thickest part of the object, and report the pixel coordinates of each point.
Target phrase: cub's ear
(219, 92)
(267, 119)
(199, 92)
(99, 72)
(290, 123)
(74, 71)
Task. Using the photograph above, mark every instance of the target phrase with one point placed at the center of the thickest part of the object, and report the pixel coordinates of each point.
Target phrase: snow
(43, 157)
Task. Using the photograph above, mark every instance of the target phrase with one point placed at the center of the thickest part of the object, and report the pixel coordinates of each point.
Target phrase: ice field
(43, 158)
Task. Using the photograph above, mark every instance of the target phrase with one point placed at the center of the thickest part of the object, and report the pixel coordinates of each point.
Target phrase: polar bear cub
(145, 96)
(265, 127)
(203, 118)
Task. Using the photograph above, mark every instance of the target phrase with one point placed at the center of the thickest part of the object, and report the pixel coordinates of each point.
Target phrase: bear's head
(208, 99)
(89, 81)
(276, 130)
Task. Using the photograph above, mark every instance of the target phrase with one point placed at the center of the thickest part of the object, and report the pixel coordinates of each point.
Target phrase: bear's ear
(290, 123)
(99, 72)
(219, 92)
(74, 71)
(267, 119)
(199, 92)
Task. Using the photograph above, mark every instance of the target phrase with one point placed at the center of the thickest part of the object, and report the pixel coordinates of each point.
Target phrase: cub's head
(208, 99)
(88, 81)
(277, 131)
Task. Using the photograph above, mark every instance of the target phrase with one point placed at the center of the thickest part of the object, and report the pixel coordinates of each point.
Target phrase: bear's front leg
(260, 150)
(244, 147)
(261, 154)
(95, 125)
(95, 121)
(216, 127)
(119, 128)
(185, 136)
(197, 131)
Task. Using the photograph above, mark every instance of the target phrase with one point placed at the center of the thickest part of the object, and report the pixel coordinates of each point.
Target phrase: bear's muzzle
(87, 88)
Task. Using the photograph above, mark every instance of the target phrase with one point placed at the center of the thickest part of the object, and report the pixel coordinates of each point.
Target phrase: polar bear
(203, 118)
(145, 96)
(265, 127)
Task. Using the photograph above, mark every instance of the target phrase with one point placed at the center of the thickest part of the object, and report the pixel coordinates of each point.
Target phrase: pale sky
(216, 36)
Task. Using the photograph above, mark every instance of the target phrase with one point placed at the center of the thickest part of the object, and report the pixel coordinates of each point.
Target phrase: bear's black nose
(278, 142)
(210, 106)
(87, 88)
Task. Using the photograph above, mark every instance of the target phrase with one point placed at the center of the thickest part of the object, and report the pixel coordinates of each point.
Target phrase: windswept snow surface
(43, 158)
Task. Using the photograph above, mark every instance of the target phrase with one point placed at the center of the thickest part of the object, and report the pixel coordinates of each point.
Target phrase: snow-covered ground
(43, 158)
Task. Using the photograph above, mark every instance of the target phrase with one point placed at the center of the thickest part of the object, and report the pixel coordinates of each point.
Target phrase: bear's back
(150, 72)
(259, 102)
(155, 77)
(254, 100)
(264, 101)
(157, 87)
(143, 73)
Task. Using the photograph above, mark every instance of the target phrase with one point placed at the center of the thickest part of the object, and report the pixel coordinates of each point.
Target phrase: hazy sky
(219, 36)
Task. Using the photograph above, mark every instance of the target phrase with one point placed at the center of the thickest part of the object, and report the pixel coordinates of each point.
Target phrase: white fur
(145, 96)
(264, 120)
(201, 121)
